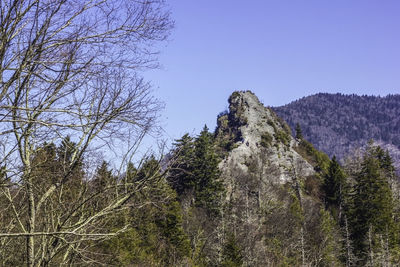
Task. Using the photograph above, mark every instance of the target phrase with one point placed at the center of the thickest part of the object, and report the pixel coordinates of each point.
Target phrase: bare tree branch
(70, 69)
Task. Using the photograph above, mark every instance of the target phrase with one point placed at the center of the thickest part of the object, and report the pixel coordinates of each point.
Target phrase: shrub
(282, 137)
(266, 139)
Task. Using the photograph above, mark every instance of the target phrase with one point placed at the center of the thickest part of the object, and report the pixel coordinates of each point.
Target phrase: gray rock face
(262, 142)
(261, 161)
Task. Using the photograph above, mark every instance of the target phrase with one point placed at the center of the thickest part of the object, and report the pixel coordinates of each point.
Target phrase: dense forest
(338, 123)
(198, 206)
(74, 191)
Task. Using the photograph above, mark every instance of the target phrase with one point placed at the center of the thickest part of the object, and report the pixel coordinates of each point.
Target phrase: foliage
(313, 186)
(71, 68)
(318, 159)
(194, 170)
(155, 234)
(283, 137)
(299, 132)
(208, 189)
(266, 139)
(181, 175)
(232, 253)
(330, 246)
(371, 212)
(335, 188)
(175, 213)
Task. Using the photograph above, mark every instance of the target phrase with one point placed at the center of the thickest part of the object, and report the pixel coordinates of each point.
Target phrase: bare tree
(69, 68)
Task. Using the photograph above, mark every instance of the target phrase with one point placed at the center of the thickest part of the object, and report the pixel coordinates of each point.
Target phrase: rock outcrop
(260, 169)
(281, 207)
(257, 137)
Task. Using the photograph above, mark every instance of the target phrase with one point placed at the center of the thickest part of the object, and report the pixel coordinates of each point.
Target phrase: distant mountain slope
(337, 123)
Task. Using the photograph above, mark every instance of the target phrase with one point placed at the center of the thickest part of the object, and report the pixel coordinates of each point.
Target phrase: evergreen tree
(150, 170)
(329, 245)
(387, 163)
(389, 170)
(232, 253)
(131, 172)
(65, 152)
(4, 180)
(181, 175)
(372, 207)
(46, 170)
(155, 236)
(102, 186)
(52, 165)
(299, 132)
(208, 187)
(72, 170)
(169, 222)
(194, 171)
(103, 177)
(334, 187)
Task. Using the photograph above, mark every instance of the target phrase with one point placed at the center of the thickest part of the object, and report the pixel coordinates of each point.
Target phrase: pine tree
(155, 236)
(181, 175)
(329, 246)
(65, 152)
(194, 171)
(208, 187)
(102, 186)
(372, 207)
(299, 132)
(131, 173)
(103, 177)
(72, 170)
(150, 170)
(52, 164)
(45, 167)
(232, 253)
(334, 187)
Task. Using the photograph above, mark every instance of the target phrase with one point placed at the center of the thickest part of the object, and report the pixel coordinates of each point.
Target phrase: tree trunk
(348, 245)
(303, 253)
(30, 246)
(370, 252)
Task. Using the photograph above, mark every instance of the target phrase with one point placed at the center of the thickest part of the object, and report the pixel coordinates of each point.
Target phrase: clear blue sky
(281, 50)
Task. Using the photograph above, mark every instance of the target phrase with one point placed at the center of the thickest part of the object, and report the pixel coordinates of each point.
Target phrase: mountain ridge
(339, 123)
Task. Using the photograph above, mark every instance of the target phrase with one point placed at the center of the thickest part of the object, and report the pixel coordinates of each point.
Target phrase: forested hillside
(337, 123)
(247, 194)
(76, 188)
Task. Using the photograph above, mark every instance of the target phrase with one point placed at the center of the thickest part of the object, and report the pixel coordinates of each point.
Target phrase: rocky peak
(258, 141)
(259, 158)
